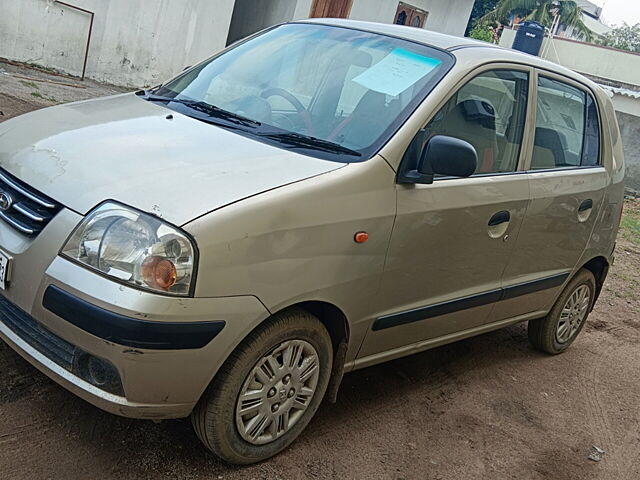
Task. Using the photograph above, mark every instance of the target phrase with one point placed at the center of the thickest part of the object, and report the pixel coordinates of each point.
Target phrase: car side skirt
(438, 341)
(492, 296)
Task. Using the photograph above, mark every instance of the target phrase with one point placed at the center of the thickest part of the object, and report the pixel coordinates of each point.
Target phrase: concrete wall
(136, 43)
(445, 16)
(627, 104)
(630, 133)
(594, 60)
(303, 8)
(144, 42)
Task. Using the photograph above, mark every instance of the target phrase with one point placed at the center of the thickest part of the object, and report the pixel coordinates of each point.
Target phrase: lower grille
(45, 342)
(96, 371)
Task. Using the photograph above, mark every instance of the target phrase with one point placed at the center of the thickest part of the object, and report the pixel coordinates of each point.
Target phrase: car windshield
(330, 92)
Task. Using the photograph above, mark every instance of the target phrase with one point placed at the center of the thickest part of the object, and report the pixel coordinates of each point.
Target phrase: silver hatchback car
(320, 197)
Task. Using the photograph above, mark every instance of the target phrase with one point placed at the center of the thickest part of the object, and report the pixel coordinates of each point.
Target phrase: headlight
(134, 248)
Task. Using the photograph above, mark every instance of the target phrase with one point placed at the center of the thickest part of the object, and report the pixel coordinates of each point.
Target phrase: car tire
(286, 345)
(554, 333)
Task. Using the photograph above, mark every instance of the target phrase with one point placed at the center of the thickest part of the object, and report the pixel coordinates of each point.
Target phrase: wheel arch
(599, 266)
(337, 324)
(332, 317)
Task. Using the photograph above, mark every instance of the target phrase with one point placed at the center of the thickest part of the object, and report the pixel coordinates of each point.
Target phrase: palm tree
(543, 11)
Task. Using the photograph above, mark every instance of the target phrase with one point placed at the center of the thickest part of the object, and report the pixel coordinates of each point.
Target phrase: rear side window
(567, 131)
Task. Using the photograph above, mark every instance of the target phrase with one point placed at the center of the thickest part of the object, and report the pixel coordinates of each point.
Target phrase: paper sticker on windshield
(396, 72)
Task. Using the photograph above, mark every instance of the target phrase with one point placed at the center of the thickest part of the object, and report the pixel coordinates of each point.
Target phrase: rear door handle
(586, 205)
(499, 217)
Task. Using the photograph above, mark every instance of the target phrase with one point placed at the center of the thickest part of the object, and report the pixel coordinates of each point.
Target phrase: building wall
(134, 43)
(144, 42)
(303, 8)
(629, 104)
(630, 133)
(250, 16)
(449, 16)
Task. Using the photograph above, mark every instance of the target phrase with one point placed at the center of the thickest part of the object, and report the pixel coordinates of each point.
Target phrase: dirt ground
(489, 407)
(23, 89)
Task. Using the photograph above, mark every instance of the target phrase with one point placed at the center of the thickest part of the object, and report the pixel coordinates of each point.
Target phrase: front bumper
(165, 350)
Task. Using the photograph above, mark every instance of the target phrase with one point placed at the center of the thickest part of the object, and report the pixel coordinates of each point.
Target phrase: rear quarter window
(591, 150)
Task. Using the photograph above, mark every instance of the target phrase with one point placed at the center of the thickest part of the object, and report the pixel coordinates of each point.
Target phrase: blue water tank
(529, 37)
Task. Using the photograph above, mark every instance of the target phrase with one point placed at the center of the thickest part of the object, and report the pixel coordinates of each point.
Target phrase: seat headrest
(479, 111)
(551, 140)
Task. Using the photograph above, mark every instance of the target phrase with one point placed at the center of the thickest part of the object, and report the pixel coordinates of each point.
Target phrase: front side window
(489, 113)
(567, 131)
(331, 92)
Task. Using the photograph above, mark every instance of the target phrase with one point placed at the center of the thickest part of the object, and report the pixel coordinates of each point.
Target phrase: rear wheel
(267, 391)
(555, 332)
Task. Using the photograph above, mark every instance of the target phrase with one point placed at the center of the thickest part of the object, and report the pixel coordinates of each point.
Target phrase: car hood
(124, 148)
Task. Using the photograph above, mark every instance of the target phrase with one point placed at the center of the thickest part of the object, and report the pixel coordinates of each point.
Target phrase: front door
(567, 182)
(452, 239)
(330, 9)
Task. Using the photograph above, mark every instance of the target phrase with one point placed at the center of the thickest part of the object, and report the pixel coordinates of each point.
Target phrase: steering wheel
(300, 109)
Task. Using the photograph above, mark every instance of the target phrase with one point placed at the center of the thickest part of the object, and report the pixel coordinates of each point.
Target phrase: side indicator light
(361, 237)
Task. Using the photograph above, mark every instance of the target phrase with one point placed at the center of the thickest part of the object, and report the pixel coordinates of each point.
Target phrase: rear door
(567, 183)
(452, 239)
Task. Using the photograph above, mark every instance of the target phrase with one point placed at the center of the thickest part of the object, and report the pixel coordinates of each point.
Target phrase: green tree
(480, 9)
(626, 37)
(542, 11)
(484, 32)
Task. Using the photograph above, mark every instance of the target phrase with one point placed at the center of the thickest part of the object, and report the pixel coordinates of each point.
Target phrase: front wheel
(554, 333)
(267, 391)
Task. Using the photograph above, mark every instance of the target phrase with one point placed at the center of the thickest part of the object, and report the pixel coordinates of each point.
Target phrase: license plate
(5, 270)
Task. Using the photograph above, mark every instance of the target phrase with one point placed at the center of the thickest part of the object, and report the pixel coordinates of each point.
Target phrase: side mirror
(445, 156)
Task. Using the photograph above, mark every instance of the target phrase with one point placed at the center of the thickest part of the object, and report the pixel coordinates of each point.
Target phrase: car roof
(452, 44)
(439, 40)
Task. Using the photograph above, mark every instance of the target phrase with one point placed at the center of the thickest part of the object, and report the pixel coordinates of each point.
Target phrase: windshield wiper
(299, 140)
(207, 109)
(287, 138)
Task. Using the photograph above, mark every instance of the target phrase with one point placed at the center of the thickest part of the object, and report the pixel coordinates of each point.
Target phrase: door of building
(330, 8)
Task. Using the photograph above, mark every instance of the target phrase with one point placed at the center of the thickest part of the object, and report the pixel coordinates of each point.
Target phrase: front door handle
(586, 205)
(499, 217)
